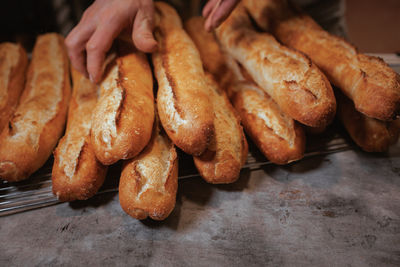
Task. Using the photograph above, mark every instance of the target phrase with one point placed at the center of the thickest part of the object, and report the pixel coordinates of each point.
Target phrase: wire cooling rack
(36, 192)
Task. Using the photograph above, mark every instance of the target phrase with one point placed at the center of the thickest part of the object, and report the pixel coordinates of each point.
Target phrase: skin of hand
(216, 11)
(104, 20)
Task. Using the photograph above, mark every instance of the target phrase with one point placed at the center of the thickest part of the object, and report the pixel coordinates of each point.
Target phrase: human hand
(101, 23)
(216, 11)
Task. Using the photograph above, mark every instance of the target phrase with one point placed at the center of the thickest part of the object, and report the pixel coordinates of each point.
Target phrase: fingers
(142, 34)
(97, 47)
(219, 13)
(75, 43)
(209, 7)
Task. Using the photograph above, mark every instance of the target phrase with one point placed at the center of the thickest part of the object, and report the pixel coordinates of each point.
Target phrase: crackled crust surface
(227, 152)
(124, 114)
(213, 58)
(39, 119)
(370, 134)
(13, 63)
(183, 101)
(300, 89)
(149, 182)
(77, 174)
(279, 137)
(368, 81)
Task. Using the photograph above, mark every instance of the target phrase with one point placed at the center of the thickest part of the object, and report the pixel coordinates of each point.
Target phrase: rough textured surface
(336, 210)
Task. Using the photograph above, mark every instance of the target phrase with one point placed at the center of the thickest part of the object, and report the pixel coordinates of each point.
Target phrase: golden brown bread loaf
(370, 134)
(77, 174)
(213, 58)
(149, 182)
(13, 63)
(299, 88)
(124, 114)
(279, 137)
(368, 81)
(39, 119)
(227, 152)
(183, 102)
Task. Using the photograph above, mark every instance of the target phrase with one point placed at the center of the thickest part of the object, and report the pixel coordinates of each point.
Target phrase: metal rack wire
(36, 192)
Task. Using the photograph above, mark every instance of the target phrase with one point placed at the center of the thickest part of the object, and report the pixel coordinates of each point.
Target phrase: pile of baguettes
(276, 90)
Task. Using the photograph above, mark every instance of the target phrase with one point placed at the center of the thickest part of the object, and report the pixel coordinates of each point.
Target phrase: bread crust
(279, 137)
(370, 134)
(213, 58)
(13, 63)
(295, 83)
(149, 182)
(77, 174)
(368, 81)
(39, 119)
(182, 99)
(222, 161)
(282, 141)
(124, 114)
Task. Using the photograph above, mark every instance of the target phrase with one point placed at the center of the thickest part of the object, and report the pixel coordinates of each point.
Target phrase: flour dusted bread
(279, 137)
(124, 115)
(77, 174)
(13, 63)
(149, 182)
(183, 98)
(368, 81)
(227, 152)
(38, 122)
(370, 134)
(299, 88)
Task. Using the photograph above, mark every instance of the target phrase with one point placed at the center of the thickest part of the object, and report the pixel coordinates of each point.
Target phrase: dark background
(373, 26)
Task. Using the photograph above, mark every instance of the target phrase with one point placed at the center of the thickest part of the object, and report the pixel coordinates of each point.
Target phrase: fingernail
(91, 78)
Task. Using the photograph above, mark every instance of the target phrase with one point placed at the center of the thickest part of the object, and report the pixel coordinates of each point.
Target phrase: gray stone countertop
(341, 209)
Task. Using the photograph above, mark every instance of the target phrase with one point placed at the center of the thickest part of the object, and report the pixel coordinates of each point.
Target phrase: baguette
(227, 152)
(372, 85)
(299, 88)
(124, 115)
(183, 103)
(39, 119)
(13, 63)
(149, 182)
(279, 137)
(370, 134)
(77, 174)
(213, 58)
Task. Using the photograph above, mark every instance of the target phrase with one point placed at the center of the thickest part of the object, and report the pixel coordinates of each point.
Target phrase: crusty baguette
(149, 182)
(227, 152)
(266, 12)
(124, 115)
(77, 174)
(213, 58)
(279, 137)
(183, 102)
(368, 81)
(370, 134)
(13, 63)
(300, 89)
(39, 119)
